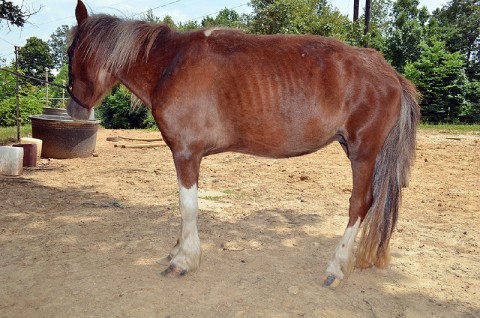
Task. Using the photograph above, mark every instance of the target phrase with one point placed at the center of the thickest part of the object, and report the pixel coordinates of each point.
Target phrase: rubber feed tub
(63, 137)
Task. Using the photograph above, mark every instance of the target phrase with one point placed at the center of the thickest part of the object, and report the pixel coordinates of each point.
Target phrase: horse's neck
(138, 88)
(142, 75)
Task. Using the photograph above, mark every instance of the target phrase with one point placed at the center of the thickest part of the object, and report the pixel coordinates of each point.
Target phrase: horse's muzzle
(78, 112)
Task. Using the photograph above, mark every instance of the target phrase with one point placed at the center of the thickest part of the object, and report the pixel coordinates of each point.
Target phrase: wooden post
(17, 94)
(63, 94)
(46, 86)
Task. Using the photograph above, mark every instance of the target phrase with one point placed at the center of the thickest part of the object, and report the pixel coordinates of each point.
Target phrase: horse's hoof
(330, 281)
(164, 260)
(174, 271)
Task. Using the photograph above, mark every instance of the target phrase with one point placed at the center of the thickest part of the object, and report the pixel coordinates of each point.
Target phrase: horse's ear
(80, 12)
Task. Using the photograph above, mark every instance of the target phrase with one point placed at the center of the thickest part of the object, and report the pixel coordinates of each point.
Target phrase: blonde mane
(114, 43)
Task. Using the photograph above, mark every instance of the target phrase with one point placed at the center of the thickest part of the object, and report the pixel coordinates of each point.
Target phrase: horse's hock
(63, 137)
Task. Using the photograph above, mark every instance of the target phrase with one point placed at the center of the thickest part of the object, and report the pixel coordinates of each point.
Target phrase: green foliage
(440, 53)
(284, 16)
(150, 17)
(116, 111)
(405, 33)
(58, 46)
(380, 23)
(440, 77)
(30, 99)
(168, 20)
(188, 26)
(29, 105)
(56, 93)
(7, 81)
(471, 112)
(34, 58)
(225, 18)
(457, 24)
(330, 22)
(13, 14)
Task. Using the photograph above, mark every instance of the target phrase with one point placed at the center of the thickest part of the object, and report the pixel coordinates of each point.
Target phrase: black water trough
(63, 137)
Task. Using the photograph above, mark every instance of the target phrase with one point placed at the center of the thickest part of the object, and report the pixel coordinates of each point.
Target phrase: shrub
(29, 105)
(115, 112)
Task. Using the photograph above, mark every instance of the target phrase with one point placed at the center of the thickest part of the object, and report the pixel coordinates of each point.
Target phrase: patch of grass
(451, 128)
(211, 198)
(9, 134)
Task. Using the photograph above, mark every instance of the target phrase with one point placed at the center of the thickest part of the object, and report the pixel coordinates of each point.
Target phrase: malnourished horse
(218, 90)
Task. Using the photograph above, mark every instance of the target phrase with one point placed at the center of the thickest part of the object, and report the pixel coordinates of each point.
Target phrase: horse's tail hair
(392, 170)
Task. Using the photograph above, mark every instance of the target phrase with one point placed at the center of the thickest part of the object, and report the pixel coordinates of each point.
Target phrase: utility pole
(16, 94)
(367, 21)
(356, 4)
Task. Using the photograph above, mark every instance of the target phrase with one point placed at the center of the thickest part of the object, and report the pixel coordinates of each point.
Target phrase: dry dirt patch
(80, 237)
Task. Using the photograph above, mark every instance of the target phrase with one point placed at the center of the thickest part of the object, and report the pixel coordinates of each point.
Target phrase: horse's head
(88, 82)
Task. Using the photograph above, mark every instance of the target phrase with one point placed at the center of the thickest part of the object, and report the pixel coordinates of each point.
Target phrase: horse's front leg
(185, 255)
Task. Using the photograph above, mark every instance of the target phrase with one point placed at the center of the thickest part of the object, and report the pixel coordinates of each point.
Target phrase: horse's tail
(392, 169)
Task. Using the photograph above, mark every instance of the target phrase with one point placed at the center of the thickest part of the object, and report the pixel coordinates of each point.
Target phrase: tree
(150, 17)
(7, 80)
(471, 112)
(405, 33)
(30, 99)
(116, 112)
(282, 16)
(56, 92)
(225, 18)
(14, 14)
(168, 20)
(379, 25)
(297, 17)
(457, 23)
(441, 79)
(58, 46)
(330, 21)
(188, 26)
(34, 58)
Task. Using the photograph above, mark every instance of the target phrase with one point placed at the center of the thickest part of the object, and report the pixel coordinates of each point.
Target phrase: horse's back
(281, 95)
(297, 92)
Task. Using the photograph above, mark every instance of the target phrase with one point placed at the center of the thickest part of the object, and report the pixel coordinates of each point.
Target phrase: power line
(217, 12)
(164, 5)
(132, 15)
(1, 56)
(139, 13)
(7, 42)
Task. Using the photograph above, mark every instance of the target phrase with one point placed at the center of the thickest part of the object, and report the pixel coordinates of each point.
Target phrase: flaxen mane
(114, 43)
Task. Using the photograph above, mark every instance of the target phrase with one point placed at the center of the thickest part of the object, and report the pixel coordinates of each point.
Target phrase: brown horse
(218, 90)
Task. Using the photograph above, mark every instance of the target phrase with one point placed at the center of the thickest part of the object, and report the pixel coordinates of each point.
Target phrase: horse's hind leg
(185, 255)
(360, 202)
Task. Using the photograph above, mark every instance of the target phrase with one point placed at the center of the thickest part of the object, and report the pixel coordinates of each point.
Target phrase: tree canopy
(34, 58)
(13, 14)
(58, 46)
(438, 51)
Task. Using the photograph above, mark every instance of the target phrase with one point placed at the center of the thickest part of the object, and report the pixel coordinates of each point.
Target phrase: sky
(54, 13)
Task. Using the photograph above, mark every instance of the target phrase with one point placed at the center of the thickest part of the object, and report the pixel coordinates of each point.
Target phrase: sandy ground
(80, 237)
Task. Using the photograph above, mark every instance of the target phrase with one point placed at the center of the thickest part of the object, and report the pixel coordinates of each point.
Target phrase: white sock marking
(343, 259)
(188, 255)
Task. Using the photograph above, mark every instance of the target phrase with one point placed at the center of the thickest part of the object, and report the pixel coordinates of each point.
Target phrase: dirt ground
(80, 237)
